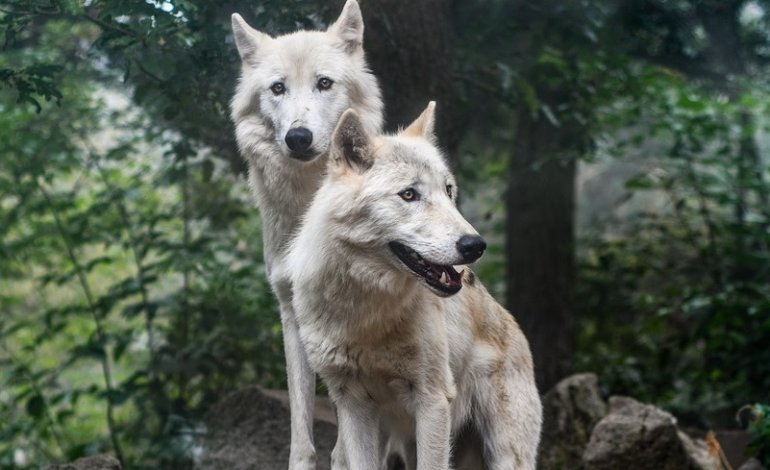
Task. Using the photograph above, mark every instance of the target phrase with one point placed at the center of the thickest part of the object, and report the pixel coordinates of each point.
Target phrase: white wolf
(292, 91)
(399, 360)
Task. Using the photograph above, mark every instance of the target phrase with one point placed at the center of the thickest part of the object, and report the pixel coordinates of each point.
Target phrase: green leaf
(641, 181)
(36, 406)
(88, 350)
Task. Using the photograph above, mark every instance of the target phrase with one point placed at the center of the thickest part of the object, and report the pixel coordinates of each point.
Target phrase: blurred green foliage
(132, 292)
(674, 305)
(759, 427)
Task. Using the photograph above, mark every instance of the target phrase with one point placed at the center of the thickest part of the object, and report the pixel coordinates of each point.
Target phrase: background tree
(410, 47)
(544, 67)
(549, 136)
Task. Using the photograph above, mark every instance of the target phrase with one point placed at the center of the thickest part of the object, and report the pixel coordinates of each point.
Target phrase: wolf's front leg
(433, 428)
(360, 434)
(339, 458)
(301, 384)
(509, 420)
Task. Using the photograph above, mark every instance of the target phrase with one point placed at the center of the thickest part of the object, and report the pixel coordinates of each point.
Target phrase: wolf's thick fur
(399, 360)
(320, 74)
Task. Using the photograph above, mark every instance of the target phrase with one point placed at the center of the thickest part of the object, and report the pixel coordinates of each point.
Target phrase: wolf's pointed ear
(351, 145)
(349, 27)
(247, 39)
(424, 125)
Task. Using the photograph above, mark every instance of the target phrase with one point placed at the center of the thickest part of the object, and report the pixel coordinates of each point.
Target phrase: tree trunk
(540, 240)
(409, 46)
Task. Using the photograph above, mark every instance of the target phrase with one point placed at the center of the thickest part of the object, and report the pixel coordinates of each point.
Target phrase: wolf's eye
(449, 190)
(324, 83)
(278, 88)
(409, 195)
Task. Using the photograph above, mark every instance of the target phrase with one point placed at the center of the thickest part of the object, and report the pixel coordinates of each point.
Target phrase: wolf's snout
(471, 247)
(299, 139)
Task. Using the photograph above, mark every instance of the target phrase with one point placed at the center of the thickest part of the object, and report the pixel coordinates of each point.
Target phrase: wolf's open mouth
(442, 278)
(303, 156)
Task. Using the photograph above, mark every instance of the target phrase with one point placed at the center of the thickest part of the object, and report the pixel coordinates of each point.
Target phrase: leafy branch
(97, 318)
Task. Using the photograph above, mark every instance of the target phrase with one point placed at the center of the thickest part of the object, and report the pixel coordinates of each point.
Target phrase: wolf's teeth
(443, 278)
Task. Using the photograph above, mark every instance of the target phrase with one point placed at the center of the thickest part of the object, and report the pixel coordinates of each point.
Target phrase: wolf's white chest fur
(283, 191)
(376, 336)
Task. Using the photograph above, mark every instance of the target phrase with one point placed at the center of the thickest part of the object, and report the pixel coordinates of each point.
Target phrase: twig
(185, 325)
(716, 269)
(133, 244)
(101, 336)
(485, 87)
(715, 450)
(104, 25)
(148, 73)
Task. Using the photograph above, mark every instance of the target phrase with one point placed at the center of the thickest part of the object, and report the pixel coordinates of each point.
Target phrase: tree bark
(410, 46)
(540, 226)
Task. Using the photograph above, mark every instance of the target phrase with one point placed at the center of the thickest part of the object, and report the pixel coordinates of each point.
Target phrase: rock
(637, 436)
(96, 462)
(698, 451)
(250, 429)
(570, 411)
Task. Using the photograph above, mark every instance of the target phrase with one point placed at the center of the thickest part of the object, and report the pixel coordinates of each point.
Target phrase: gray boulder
(96, 462)
(570, 411)
(250, 429)
(636, 436)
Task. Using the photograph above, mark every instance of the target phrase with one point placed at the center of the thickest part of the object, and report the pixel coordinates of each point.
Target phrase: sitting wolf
(408, 346)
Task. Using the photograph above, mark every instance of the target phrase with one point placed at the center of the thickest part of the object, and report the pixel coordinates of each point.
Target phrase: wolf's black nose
(299, 139)
(471, 247)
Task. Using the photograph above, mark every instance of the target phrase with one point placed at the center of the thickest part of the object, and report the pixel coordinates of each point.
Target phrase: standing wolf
(291, 93)
(401, 360)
